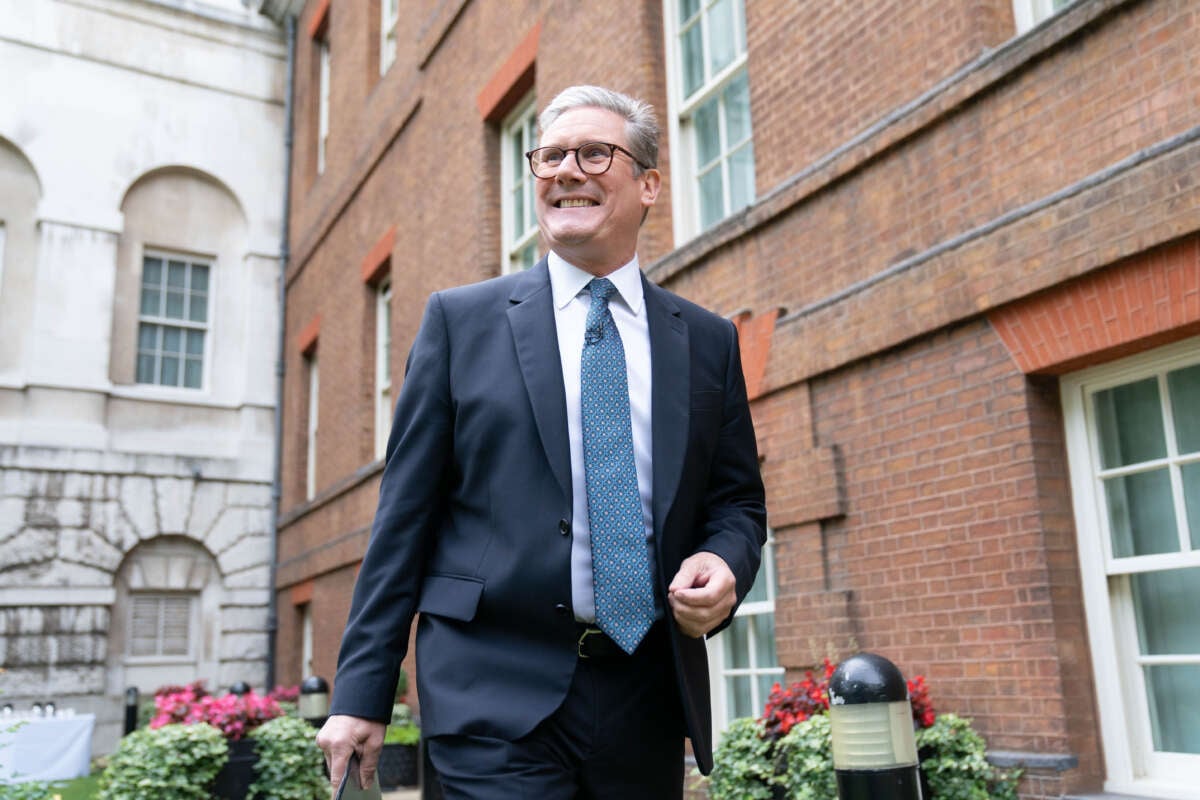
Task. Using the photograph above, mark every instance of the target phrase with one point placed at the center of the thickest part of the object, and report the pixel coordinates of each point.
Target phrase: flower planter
(398, 766)
(234, 779)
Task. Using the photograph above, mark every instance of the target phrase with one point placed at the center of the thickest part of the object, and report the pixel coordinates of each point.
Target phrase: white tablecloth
(46, 749)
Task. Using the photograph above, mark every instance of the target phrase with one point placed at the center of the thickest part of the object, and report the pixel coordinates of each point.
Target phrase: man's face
(592, 220)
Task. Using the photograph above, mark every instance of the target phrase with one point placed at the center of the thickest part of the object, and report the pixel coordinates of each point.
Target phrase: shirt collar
(568, 280)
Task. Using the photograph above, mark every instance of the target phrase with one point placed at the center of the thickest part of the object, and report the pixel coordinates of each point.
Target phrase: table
(46, 749)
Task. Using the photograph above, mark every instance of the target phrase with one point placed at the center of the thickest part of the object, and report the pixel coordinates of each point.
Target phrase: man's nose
(569, 169)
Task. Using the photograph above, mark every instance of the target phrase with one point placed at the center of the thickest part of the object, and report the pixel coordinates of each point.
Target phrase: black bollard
(874, 750)
(314, 700)
(131, 709)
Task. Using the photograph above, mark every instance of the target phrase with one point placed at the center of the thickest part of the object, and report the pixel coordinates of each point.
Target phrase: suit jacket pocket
(453, 596)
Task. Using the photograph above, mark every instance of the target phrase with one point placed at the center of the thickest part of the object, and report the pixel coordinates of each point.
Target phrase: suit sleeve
(412, 502)
(735, 512)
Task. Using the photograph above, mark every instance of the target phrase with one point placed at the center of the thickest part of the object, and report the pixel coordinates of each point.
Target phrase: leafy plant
(405, 733)
(290, 765)
(743, 763)
(955, 764)
(176, 761)
(29, 790)
(808, 767)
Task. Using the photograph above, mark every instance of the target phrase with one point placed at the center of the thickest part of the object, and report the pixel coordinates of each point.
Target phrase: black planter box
(397, 766)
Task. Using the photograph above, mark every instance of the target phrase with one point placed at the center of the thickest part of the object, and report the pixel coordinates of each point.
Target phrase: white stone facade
(131, 129)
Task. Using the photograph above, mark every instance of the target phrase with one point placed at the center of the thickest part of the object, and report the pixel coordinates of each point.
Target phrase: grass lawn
(78, 789)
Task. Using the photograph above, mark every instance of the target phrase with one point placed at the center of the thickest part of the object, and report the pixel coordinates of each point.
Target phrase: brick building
(962, 245)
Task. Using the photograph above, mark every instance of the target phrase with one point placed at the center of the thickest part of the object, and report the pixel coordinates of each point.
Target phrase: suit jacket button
(564, 527)
(561, 609)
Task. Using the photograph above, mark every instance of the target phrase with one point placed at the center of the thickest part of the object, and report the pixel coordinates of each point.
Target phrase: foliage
(405, 733)
(176, 761)
(233, 715)
(954, 763)
(29, 790)
(743, 763)
(790, 747)
(290, 765)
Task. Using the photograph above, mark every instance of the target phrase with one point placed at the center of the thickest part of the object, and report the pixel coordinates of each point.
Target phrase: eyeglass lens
(594, 158)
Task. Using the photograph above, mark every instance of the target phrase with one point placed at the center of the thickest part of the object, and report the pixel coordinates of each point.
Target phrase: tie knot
(602, 289)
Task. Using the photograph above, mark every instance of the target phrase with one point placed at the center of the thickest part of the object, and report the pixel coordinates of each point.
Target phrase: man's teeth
(575, 203)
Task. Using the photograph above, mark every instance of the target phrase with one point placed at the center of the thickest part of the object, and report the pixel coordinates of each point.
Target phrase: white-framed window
(1133, 443)
(709, 101)
(383, 366)
(160, 625)
(306, 640)
(173, 316)
(742, 661)
(389, 17)
(518, 135)
(2, 256)
(310, 465)
(1029, 13)
(323, 54)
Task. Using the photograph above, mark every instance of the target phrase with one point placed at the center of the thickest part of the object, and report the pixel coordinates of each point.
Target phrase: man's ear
(651, 183)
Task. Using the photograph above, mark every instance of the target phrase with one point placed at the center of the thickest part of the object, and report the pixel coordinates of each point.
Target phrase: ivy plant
(290, 765)
(176, 761)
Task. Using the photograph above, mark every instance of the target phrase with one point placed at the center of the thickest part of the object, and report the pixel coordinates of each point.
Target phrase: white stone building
(141, 191)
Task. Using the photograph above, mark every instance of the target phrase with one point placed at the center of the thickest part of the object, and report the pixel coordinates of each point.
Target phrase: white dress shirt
(572, 300)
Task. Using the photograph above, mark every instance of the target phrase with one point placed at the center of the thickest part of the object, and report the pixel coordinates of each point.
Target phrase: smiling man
(571, 500)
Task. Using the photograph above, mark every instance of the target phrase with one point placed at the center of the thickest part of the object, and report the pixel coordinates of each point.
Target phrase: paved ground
(402, 794)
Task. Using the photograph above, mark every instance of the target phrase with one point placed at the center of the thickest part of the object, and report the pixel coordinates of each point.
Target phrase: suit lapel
(670, 398)
(531, 316)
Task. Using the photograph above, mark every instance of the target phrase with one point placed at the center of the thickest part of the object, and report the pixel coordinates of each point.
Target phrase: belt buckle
(589, 631)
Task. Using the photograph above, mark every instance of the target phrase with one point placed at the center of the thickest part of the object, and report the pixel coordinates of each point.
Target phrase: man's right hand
(342, 735)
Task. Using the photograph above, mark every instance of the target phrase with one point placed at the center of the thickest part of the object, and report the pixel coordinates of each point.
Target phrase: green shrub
(956, 766)
(743, 763)
(29, 790)
(176, 761)
(404, 733)
(290, 765)
(808, 767)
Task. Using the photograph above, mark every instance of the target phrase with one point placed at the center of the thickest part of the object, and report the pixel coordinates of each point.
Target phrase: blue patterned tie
(620, 559)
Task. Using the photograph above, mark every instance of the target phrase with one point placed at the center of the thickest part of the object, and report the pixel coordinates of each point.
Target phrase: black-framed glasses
(594, 158)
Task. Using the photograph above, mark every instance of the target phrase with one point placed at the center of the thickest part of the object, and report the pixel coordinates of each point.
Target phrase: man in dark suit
(571, 500)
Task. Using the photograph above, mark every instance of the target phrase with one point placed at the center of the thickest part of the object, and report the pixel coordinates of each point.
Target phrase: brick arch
(1146, 301)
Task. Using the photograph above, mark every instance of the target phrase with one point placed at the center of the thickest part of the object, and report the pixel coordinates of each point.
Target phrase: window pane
(1165, 603)
(193, 373)
(151, 272)
(528, 256)
(199, 278)
(1174, 695)
(175, 625)
(692, 53)
(741, 704)
(737, 110)
(147, 336)
(198, 308)
(172, 340)
(712, 202)
(176, 274)
(1129, 423)
(195, 343)
(741, 178)
(174, 307)
(688, 9)
(1141, 514)
(1191, 499)
(151, 302)
(737, 644)
(1184, 388)
(764, 640)
(170, 371)
(145, 368)
(760, 590)
(708, 134)
(722, 42)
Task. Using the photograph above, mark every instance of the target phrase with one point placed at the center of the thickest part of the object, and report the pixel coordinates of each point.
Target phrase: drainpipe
(280, 353)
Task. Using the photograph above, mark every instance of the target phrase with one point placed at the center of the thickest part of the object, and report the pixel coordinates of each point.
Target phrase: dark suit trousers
(618, 735)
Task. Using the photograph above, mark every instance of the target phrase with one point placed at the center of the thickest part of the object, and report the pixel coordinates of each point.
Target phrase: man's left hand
(702, 593)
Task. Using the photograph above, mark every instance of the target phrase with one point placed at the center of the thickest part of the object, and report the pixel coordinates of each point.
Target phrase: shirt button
(561, 609)
(564, 527)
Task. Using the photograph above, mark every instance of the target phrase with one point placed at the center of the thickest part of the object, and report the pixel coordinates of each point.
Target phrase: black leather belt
(594, 643)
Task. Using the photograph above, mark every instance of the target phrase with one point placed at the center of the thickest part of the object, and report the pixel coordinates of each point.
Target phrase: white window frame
(2, 241)
(389, 18)
(310, 466)
(383, 366)
(1030, 13)
(159, 657)
(306, 640)
(206, 327)
(686, 206)
(1132, 766)
(325, 57)
(517, 133)
(716, 649)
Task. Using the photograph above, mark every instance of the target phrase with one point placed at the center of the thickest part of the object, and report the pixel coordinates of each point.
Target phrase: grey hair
(641, 125)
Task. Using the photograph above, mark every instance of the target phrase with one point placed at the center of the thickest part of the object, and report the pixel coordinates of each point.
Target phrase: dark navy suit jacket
(474, 518)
